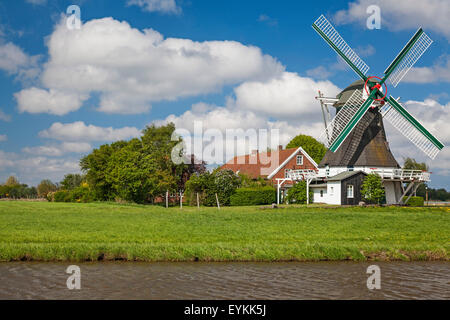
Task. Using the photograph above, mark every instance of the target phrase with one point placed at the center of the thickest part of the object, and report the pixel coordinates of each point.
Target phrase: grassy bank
(104, 231)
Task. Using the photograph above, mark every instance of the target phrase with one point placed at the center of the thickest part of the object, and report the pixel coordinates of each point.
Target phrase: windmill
(356, 136)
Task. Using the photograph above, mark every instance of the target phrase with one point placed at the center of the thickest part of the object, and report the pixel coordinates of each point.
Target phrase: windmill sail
(333, 135)
(411, 128)
(326, 30)
(409, 55)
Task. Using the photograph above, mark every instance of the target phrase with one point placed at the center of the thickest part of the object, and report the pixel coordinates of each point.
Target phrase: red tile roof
(253, 165)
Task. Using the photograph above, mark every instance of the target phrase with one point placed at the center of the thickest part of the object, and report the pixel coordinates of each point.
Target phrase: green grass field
(106, 231)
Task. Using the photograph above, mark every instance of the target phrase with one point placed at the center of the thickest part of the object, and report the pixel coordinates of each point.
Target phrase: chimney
(280, 147)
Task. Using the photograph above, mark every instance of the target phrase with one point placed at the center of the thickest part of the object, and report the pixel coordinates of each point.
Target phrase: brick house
(272, 165)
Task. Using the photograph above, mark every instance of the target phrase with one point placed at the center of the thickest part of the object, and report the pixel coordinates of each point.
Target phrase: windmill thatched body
(366, 145)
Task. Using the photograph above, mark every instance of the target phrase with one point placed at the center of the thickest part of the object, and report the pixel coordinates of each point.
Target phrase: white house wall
(333, 192)
(317, 197)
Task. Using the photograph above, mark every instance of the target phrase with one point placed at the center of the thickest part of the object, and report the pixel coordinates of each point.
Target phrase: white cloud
(59, 150)
(435, 117)
(401, 14)
(439, 72)
(37, 2)
(79, 131)
(4, 116)
(3, 137)
(31, 170)
(289, 96)
(325, 72)
(14, 61)
(163, 6)
(35, 100)
(130, 68)
(268, 20)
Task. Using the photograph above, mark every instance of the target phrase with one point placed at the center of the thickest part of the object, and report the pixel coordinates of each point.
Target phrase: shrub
(61, 196)
(414, 201)
(372, 189)
(82, 194)
(222, 182)
(297, 194)
(253, 196)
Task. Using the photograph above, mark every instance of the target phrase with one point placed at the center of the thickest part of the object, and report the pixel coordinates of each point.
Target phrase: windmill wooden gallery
(356, 137)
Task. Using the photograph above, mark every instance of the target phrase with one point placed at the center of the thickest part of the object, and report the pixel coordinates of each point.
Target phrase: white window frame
(286, 173)
(351, 188)
(299, 156)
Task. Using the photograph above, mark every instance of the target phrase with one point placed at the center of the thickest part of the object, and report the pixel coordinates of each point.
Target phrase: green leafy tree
(71, 181)
(138, 170)
(372, 189)
(95, 166)
(297, 194)
(46, 186)
(221, 182)
(314, 148)
(12, 181)
(412, 164)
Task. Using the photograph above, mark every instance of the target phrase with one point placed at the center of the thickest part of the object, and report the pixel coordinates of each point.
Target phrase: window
(286, 173)
(321, 193)
(331, 190)
(299, 160)
(349, 191)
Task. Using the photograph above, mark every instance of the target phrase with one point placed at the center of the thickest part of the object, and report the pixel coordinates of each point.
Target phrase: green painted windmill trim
(415, 123)
(402, 53)
(352, 123)
(332, 45)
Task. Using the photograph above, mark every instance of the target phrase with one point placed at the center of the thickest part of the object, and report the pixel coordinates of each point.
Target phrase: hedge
(414, 201)
(253, 196)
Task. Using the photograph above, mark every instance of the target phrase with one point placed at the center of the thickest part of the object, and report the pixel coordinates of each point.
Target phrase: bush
(297, 194)
(253, 196)
(222, 182)
(61, 196)
(372, 189)
(82, 194)
(414, 201)
(79, 194)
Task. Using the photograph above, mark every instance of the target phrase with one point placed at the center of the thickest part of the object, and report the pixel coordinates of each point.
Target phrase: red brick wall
(292, 164)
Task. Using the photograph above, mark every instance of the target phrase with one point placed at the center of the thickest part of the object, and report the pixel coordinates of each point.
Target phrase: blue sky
(229, 54)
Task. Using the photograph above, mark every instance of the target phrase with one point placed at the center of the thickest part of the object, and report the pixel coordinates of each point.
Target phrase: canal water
(324, 280)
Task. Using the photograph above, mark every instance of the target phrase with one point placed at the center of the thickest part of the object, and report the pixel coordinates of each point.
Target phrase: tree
(12, 181)
(412, 164)
(137, 170)
(95, 166)
(221, 182)
(372, 188)
(297, 194)
(45, 187)
(71, 181)
(314, 148)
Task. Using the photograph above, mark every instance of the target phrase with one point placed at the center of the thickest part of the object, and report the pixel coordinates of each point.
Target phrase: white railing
(402, 174)
(303, 174)
(384, 173)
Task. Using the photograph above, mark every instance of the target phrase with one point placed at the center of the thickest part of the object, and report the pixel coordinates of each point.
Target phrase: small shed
(341, 189)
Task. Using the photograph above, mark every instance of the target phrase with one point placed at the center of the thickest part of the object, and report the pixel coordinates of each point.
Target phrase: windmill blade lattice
(411, 128)
(334, 39)
(418, 44)
(342, 118)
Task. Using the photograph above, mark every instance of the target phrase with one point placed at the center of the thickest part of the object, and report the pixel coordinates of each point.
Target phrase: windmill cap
(345, 94)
